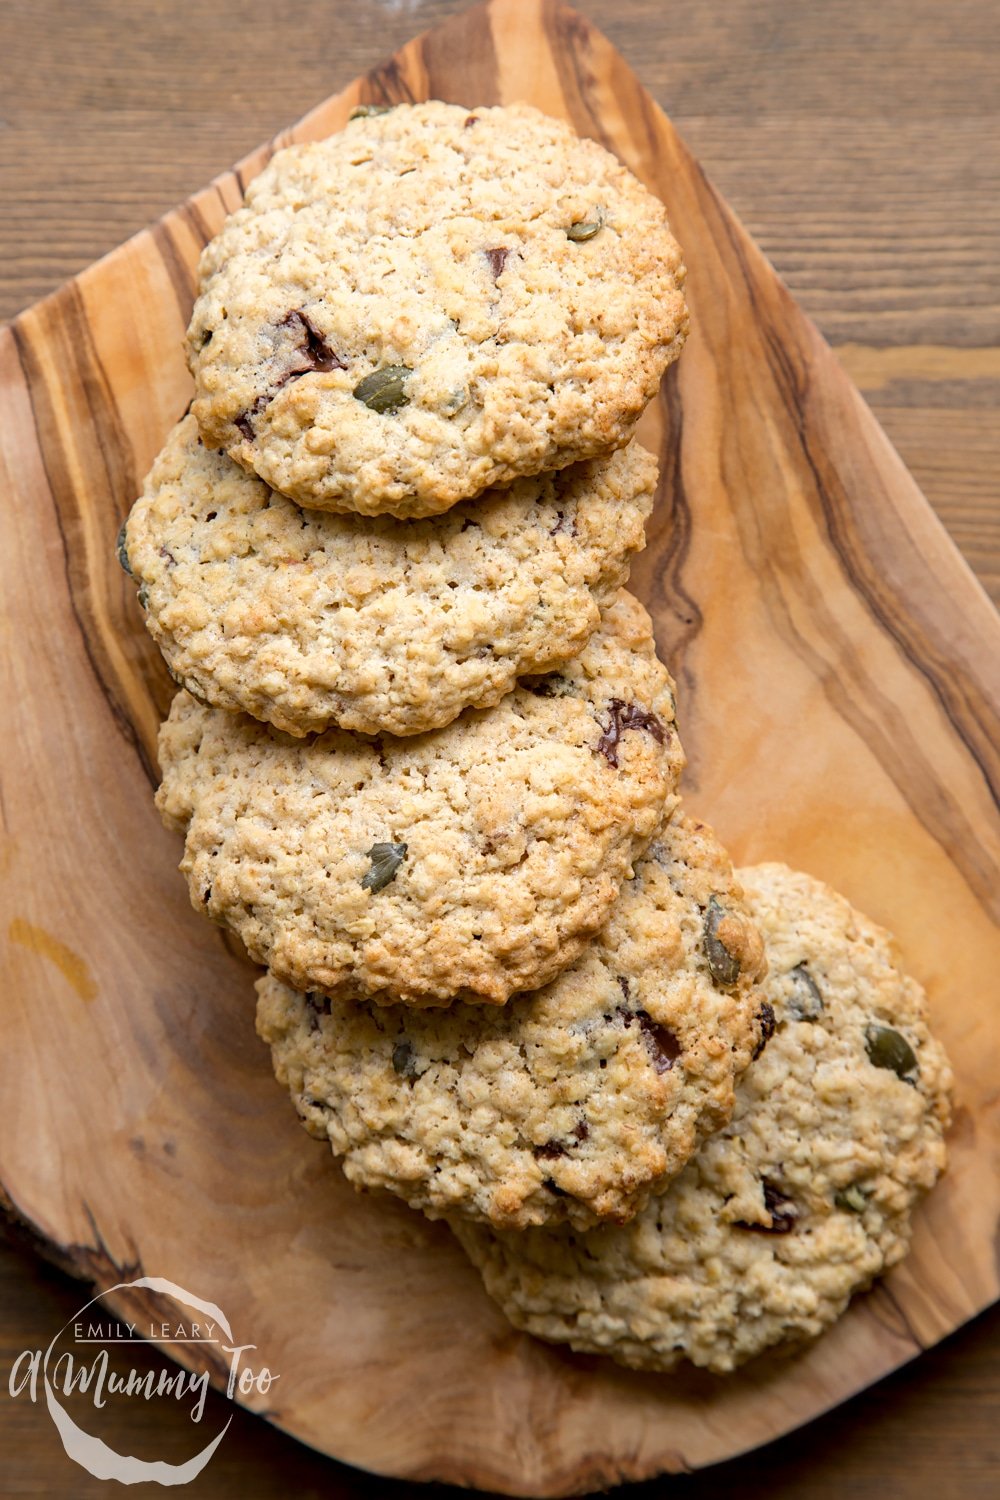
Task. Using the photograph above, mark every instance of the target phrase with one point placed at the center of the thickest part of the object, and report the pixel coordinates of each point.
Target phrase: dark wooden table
(861, 145)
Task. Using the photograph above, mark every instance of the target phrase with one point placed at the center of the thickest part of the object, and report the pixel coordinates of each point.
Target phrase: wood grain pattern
(839, 667)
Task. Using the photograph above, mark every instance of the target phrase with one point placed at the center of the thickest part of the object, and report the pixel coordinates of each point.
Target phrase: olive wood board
(839, 675)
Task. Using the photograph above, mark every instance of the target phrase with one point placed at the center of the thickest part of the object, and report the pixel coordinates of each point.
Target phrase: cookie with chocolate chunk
(465, 863)
(431, 302)
(569, 1105)
(307, 619)
(800, 1201)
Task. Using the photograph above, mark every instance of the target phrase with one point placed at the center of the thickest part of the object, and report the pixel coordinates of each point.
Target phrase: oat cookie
(465, 863)
(308, 619)
(566, 1104)
(799, 1202)
(432, 301)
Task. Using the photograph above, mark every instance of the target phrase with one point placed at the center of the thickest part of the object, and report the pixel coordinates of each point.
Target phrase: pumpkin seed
(887, 1048)
(805, 1003)
(143, 597)
(384, 390)
(852, 1200)
(585, 229)
(723, 965)
(123, 561)
(365, 111)
(402, 1060)
(386, 860)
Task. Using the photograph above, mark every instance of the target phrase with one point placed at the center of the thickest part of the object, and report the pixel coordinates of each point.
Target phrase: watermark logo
(85, 1370)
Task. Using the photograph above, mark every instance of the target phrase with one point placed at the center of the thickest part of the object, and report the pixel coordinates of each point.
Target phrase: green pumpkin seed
(183, 683)
(123, 561)
(384, 390)
(386, 860)
(365, 111)
(402, 1060)
(852, 1200)
(889, 1049)
(805, 1003)
(723, 965)
(143, 597)
(585, 229)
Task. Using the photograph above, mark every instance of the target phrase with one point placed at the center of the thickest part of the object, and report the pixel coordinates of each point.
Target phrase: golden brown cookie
(307, 619)
(800, 1201)
(466, 863)
(567, 1104)
(432, 301)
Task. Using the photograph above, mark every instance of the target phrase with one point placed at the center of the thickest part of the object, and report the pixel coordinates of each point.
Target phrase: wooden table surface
(861, 146)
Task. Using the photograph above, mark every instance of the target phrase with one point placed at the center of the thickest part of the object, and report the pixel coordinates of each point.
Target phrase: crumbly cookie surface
(307, 619)
(800, 1201)
(466, 863)
(568, 1104)
(430, 302)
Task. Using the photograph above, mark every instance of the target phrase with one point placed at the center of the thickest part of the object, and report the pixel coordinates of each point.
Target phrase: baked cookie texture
(307, 619)
(466, 863)
(801, 1200)
(432, 301)
(568, 1104)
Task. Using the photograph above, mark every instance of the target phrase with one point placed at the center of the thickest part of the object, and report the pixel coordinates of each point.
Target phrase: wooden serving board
(840, 676)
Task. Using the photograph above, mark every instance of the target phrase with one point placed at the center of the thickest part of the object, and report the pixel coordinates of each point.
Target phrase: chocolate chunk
(767, 1023)
(317, 1005)
(316, 1103)
(550, 1151)
(582, 1131)
(497, 258)
(244, 420)
(781, 1208)
(562, 526)
(545, 687)
(314, 352)
(627, 716)
(664, 1048)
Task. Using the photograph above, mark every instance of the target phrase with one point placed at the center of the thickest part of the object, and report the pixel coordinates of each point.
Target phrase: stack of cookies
(426, 762)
